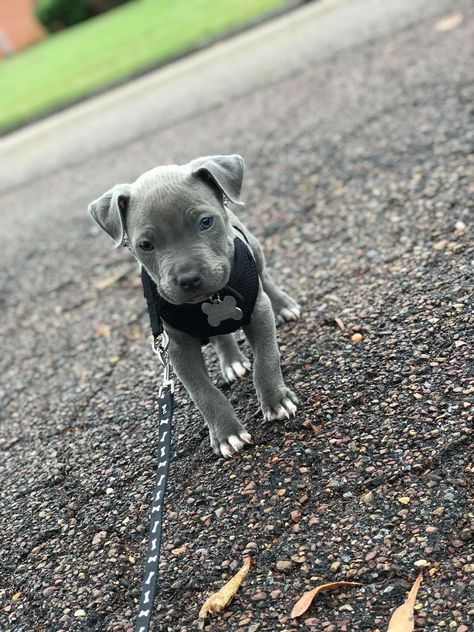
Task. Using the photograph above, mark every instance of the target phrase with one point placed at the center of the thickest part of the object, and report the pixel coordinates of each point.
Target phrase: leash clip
(160, 346)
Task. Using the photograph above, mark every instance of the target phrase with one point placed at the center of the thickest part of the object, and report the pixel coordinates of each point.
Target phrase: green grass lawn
(104, 50)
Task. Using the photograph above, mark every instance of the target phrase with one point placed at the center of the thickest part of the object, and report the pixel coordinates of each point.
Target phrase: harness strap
(151, 295)
(242, 233)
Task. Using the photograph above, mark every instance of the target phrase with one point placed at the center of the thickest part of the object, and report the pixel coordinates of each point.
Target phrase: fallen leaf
(447, 23)
(107, 281)
(133, 333)
(402, 619)
(306, 600)
(17, 596)
(433, 571)
(404, 500)
(219, 600)
(102, 330)
(339, 323)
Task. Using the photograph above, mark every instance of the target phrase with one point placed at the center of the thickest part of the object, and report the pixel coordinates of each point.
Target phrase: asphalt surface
(360, 187)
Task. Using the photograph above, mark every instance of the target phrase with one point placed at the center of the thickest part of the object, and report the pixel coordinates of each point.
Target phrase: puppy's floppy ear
(109, 211)
(227, 172)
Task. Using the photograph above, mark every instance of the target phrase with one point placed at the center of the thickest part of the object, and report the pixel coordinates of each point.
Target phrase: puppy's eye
(145, 245)
(206, 222)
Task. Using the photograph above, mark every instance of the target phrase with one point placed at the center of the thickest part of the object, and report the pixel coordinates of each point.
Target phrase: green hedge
(56, 15)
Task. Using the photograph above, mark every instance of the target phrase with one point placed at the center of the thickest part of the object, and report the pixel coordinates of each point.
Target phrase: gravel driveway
(360, 187)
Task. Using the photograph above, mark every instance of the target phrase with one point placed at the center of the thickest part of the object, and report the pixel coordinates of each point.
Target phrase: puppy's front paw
(228, 443)
(285, 308)
(279, 406)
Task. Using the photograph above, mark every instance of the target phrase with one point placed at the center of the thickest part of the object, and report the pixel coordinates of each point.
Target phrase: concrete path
(356, 122)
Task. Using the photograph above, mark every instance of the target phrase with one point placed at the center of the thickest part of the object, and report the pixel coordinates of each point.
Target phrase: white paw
(236, 370)
(283, 410)
(233, 444)
(286, 314)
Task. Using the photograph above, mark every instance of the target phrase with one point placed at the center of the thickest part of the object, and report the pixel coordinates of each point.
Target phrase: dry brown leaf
(107, 281)
(434, 570)
(219, 600)
(306, 600)
(133, 333)
(447, 23)
(339, 323)
(402, 619)
(102, 330)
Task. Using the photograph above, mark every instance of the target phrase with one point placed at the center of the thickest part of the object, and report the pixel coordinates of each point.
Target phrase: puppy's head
(177, 225)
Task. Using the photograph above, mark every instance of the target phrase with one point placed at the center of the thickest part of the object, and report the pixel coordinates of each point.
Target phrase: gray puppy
(211, 278)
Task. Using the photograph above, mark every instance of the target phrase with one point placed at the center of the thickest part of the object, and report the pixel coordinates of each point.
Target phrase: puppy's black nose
(190, 280)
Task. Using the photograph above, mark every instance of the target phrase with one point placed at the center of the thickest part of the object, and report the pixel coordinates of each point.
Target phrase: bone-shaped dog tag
(222, 310)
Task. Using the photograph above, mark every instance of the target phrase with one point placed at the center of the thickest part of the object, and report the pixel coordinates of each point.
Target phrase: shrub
(58, 14)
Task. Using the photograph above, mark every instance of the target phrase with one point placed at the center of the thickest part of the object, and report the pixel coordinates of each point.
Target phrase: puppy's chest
(225, 313)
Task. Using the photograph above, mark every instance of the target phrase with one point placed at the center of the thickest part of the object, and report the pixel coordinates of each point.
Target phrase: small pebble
(99, 537)
(47, 592)
(283, 565)
(179, 550)
(421, 563)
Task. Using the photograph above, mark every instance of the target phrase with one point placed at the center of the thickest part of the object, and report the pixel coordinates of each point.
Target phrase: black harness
(193, 318)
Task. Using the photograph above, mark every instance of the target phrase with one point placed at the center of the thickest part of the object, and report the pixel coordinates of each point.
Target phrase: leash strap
(156, 513)
(166, 404)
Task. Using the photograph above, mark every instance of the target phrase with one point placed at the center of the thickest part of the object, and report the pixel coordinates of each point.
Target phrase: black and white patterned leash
(166, 403)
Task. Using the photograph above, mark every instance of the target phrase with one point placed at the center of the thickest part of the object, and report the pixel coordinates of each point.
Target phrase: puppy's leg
(227, 434)
(277, 401)
(234, 364)
(284, 307)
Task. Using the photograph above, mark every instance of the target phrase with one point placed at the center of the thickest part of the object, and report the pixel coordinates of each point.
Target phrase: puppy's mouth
(199, 299)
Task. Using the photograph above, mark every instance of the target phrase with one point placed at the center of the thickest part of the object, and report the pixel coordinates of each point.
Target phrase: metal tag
(222, 310)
